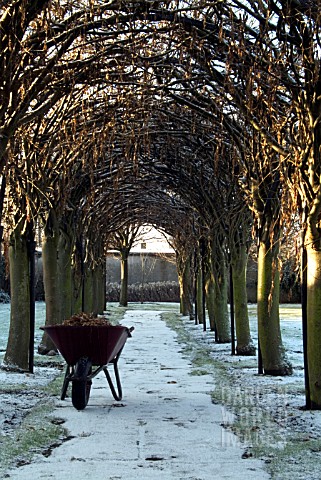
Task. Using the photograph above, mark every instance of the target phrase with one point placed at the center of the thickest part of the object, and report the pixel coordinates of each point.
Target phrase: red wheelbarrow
(88, 350)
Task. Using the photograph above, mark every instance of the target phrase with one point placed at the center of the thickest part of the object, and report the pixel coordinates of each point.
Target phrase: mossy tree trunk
(274, 358)
(200, 291)
(185, 278)
(88, 285)
(77, 276)
(123, 241)
(50, 278)
(88, 289)
(123, 296)
(221, 315)
(183, 307)
(17, 351)
(266, 201)
(93, 268)
(209, 287)
(218, 259)
(96, 282)
(99, 279)
(203, 253)
(210, 299)
(308, 186)
(238, 237)
(64, 255)
(239, 260)
(313, 249)
(57, 248)
(101, 286)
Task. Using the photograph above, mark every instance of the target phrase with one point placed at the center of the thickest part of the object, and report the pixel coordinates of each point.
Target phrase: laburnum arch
(217, 104)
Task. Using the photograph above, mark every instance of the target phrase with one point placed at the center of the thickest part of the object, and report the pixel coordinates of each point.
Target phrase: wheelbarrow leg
(118, 395)
(66, 382)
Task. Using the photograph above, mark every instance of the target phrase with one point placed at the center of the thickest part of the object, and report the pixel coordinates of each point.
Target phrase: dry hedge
(149, 292)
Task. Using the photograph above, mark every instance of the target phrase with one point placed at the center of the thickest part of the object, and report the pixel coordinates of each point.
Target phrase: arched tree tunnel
(201, 118)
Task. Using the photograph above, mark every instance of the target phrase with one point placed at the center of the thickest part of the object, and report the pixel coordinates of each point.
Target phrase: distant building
(152, 241)
(151, 259)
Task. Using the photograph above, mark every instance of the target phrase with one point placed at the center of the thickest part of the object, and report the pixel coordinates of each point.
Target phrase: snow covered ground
(167, 426)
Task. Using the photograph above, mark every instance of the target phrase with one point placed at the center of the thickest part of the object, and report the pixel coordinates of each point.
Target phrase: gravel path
(166, 426)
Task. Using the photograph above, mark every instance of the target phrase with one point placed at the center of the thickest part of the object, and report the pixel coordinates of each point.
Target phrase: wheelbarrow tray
(101, 344)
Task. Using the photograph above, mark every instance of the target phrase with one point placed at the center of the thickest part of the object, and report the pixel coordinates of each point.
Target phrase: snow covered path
(165, 428)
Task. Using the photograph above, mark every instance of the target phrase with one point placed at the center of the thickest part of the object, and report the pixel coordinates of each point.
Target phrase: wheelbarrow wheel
(81, 385)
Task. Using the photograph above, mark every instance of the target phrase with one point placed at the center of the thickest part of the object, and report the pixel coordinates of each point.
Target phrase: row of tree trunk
(203, 279)
(73, 283)
(213, 280)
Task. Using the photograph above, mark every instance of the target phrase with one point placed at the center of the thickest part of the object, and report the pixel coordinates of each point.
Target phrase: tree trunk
(88, 289)
(185, 287)
(266, 197)
(101, 290)
(245, 344)
(77, 277)
(182, 304)
(222, 320)
(314, 319)
(65, 246)
(200, 297)
(17, 352)
(50, 279)
(221, 315)
(210, 300)
(98, 286)
(273, 353)
(95, 274)
(308, 187)
(123, 297)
